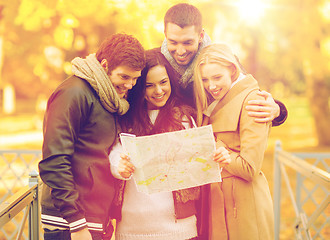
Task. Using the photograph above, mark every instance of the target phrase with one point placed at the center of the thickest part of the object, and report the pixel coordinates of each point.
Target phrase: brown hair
(122, 49)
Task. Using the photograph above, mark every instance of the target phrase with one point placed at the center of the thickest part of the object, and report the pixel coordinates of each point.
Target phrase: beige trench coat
(241, 206)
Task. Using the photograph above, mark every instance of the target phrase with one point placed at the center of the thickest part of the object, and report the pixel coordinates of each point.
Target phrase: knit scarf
(91, 70)
(186, 71)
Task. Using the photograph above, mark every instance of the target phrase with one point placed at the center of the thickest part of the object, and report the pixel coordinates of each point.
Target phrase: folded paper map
(174, 160)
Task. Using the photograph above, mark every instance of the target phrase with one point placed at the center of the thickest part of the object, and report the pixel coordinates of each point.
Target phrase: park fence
(312, 188)
(310, 200)
(19, 194)
(27, 200)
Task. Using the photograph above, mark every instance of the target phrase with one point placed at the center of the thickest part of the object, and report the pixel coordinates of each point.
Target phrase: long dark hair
(170, 116)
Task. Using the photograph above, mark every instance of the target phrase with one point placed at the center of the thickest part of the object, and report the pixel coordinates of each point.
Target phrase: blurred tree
(1, 41)
(295, 49)
(288, 48)
(1, 54)
(315, 55)
(42, 37)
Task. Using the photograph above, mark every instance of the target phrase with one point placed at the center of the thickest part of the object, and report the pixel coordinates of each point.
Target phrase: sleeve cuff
(78, 225)
(283, 114)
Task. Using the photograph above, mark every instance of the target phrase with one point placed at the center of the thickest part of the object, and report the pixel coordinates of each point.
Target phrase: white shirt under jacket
(149, 216)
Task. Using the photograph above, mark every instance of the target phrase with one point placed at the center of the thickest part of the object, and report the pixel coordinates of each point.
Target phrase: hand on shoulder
(263, 110)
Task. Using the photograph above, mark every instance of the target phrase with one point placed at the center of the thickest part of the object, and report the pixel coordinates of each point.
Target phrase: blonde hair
(214, 53)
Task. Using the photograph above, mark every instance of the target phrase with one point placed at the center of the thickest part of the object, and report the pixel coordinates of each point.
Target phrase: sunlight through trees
(285, 44)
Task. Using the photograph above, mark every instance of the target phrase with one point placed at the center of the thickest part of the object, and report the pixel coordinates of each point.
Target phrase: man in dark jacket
(184, 39)
(79, 130)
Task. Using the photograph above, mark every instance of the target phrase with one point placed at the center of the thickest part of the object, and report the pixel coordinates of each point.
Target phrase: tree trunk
(1, 53)
(318, 94)
(315, 67)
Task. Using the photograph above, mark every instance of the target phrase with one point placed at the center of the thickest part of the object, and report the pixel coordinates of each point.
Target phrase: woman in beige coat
(240, 207)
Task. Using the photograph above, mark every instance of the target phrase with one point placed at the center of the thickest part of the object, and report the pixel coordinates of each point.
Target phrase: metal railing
(27, 200)
(15, 167)
(305, 226)
(14, 176)
(28, 197)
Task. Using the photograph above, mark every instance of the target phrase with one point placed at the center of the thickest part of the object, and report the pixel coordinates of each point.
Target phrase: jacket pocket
(84, 180)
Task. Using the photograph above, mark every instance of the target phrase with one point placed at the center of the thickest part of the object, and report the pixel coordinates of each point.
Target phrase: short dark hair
(184, 14)
(122, 49)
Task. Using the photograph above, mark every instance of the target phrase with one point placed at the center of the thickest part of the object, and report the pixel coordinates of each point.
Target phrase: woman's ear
(234, 74)
(104, 64)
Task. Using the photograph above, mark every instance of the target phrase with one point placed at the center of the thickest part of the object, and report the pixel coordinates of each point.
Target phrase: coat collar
(224, 115)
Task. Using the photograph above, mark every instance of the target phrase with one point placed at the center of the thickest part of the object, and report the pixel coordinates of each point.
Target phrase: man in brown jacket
(79, 130)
